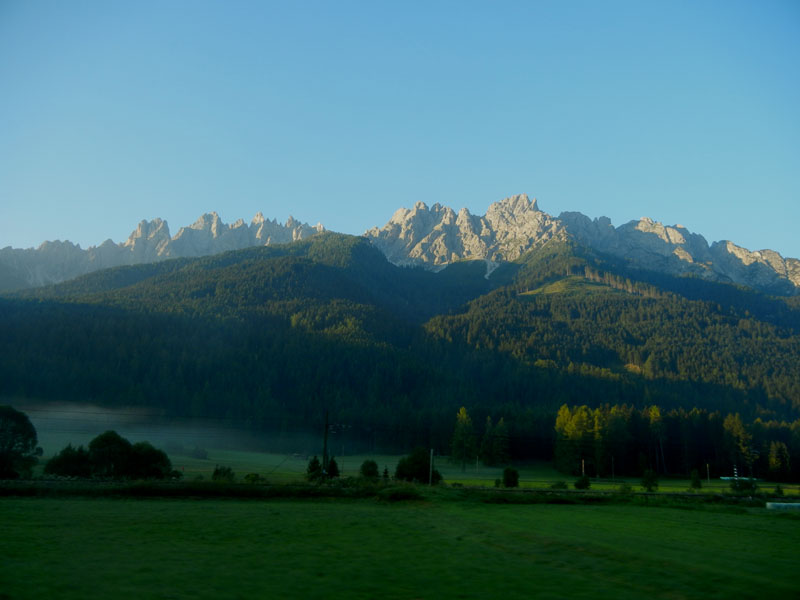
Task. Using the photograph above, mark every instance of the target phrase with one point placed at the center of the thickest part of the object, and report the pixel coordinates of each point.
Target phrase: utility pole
(583, 467)
(325, 447)
(430, 469)
(708, 474)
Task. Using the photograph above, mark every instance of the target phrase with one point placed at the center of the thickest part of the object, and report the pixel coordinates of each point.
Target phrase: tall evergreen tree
(462, 445)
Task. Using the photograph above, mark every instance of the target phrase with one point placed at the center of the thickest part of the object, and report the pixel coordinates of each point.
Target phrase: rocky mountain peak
(515, 225)
(438, 236)
(515, 205)
(57, 261)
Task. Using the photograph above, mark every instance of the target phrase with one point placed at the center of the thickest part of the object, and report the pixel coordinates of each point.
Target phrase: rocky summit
(437, 236)
(53, 262)
(431, 237)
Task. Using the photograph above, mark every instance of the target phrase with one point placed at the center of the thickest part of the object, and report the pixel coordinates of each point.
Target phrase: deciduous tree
(18, 450)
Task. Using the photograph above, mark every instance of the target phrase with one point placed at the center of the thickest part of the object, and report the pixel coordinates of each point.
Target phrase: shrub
(778, 491)
(333, 468)
(147, 462)
(510, 477)
(625, 488)
(649, 480)
(18, 449)
(559, 485)
(744, 486)
(497, 483)
(416, 467)
(696, 484)
(314, 469)
(70, 462)
(582, 483)
(393, 494)
(369, 469)
(254, 478)
(223, 475)
(110, 454)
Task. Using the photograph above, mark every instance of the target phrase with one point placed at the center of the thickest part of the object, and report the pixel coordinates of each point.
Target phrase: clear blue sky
(342, 112)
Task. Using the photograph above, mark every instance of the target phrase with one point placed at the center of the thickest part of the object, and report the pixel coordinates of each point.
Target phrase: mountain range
(57, 261)
(272, 338)
(437, 236)
(431, 237)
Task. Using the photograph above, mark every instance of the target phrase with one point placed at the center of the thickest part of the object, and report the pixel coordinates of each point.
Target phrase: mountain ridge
(432, 237)
(276, 337)
(56, 261)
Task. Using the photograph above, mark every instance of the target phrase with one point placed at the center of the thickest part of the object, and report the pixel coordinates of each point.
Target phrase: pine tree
(500, 443)
(462, 446)
(487, 444)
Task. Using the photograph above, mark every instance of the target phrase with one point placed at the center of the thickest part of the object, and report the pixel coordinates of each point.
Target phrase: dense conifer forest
(582, 358)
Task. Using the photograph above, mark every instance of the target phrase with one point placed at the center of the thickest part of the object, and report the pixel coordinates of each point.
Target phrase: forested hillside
(270, 338)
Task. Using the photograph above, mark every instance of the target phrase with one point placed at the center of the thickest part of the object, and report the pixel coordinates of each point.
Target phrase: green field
(289, 468)
(102, 548)
(278, 468)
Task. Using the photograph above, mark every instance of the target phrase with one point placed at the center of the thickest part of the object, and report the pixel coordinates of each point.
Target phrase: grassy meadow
(449, 544)
(127, 548)
(281, 468)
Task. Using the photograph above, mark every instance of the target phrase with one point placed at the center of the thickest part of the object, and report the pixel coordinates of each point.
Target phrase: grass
(124, 548)
(290, 468)
(570, 285)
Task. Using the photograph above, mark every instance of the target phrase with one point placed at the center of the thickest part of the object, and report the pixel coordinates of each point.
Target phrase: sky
(342, 112)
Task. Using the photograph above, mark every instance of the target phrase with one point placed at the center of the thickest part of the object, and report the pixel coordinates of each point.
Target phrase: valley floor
(210, 548)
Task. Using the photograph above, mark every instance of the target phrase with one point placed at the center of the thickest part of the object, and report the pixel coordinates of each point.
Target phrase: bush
(416, 467)
(110, 454)
(778, 491)
(314, 469)
(254, 478)
(649, 480)
(582, 483)
(18, 449)
(147, 462)
(333, 468)
(559, 485)
(625, 488)
(70, 462)
(510, 477)
(394, 494)
(744, 486)
(223, 475)
(696, 484)
(369, 469)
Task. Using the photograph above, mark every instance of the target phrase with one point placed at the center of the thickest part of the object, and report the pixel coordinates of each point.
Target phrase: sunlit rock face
(57, 261)
(436, 236)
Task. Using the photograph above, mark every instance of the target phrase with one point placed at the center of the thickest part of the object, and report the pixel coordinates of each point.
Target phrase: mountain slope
(562, 324)
(271, 339)
(322, 268)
